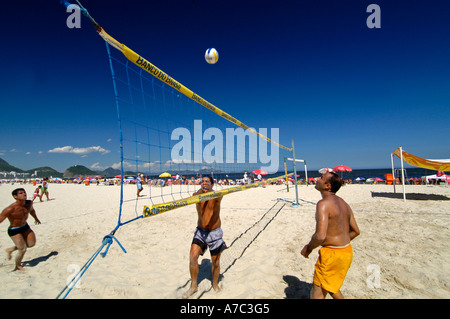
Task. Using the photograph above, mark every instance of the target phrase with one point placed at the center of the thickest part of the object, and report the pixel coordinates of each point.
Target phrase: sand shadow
(296, 288)
(204, 273)
(411, 196)
(36, 261)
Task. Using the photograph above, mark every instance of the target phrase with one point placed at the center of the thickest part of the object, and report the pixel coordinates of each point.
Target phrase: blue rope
(116, 95)
(107, 241)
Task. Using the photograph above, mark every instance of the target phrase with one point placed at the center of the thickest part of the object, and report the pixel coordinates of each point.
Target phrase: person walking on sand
(335, 228)
(36, 193)
(139, 182)
(45, 189)
(207, 234)
(19, 230)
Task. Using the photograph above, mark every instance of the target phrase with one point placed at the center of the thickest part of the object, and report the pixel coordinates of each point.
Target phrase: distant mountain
(83, 171)
(5, 167)
(110, 172)
(78, 171)
(42, 171)
(45, 172)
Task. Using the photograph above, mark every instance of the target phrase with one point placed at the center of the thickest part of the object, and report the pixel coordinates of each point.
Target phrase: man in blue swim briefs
(19, 231)
(207, 234)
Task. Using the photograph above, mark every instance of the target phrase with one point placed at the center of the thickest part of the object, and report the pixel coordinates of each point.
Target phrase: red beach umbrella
(259, 171)
(342, 168)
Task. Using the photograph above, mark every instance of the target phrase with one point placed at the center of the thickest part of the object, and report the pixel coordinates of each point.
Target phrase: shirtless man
(207, 234)
(335, 228)
(19, 231)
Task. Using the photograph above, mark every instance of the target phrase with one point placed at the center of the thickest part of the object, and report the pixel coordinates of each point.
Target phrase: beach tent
(435, 177)
(433, 164)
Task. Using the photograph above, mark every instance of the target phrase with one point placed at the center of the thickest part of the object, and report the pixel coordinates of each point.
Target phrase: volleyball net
(170, 137)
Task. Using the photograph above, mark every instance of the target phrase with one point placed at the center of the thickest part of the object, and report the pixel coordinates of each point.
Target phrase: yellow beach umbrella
(165, 175)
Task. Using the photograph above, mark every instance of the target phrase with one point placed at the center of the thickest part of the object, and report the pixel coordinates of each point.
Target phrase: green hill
(110, 172)
(5, 167)
(78, 171)
(71, 172)
(42, 171)
(45, 172)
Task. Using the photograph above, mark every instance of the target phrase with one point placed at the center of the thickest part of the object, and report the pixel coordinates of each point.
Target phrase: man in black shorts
(19, 230)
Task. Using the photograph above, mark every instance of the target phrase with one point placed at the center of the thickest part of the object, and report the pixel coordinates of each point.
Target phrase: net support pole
(295, 176)
(393, 175)
(285, 172)
(403, 174)
(306, 174)
(302, 161)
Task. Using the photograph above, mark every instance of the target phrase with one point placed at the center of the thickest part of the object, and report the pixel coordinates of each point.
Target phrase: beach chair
(388, 178)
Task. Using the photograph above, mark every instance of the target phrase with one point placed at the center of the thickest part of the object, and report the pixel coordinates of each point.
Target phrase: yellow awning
(437, 165)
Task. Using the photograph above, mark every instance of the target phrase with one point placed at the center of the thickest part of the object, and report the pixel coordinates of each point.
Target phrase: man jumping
(19, 230)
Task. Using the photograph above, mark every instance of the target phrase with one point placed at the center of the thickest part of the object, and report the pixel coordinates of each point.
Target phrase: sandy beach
(402, 251)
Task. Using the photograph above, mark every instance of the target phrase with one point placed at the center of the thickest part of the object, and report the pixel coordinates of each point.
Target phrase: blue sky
(347, 94)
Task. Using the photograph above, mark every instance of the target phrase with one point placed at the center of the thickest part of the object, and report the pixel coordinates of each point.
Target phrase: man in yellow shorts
(335, 228)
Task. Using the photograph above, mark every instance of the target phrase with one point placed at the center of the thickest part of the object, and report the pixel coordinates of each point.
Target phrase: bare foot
(190, 292)
(9, 252)
(217, 288)
(19, 268)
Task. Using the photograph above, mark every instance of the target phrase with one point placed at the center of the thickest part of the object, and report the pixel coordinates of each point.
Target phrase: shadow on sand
(411, 196)
(38, 260)
(296, 288)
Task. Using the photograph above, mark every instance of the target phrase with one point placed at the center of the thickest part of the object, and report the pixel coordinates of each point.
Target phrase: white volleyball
(211, 56)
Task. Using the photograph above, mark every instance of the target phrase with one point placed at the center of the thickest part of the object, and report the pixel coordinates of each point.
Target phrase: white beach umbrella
(325, 170)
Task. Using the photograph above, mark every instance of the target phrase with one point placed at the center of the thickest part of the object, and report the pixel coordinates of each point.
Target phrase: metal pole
(295, 175)
(403, 174)
(393, 175)
(306, 174)
(285, 172)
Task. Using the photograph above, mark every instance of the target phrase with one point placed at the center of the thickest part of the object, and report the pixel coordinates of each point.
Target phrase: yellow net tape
(165, 207)
(153, 70)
